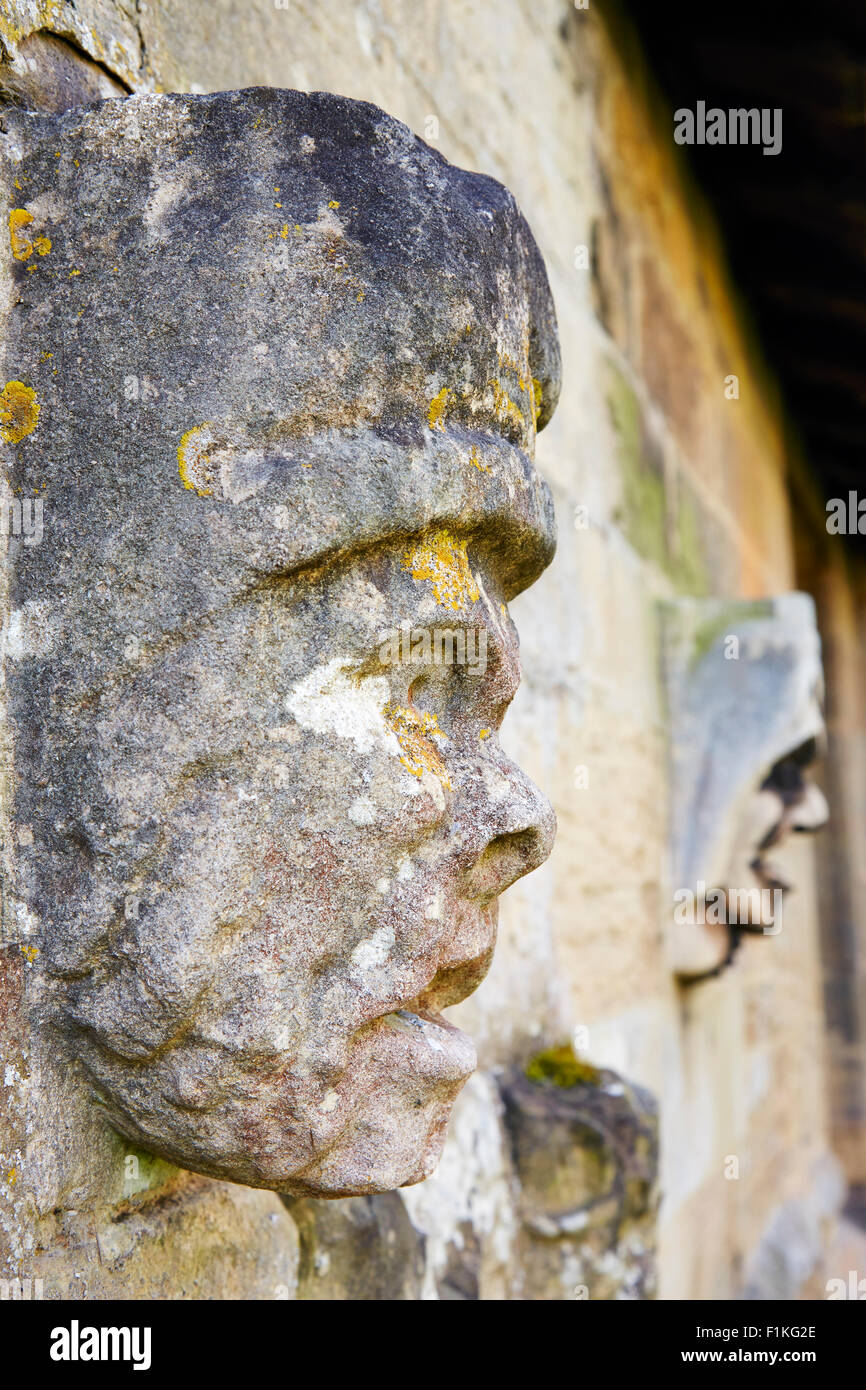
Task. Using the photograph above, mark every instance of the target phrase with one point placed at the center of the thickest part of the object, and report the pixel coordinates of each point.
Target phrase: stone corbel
(273, 375)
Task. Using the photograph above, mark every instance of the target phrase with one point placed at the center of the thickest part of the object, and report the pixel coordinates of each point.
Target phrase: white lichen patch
(433, 910)
(212, 465)
(327, 222)
(406, 870)
(496, 785)
(432, 785)
(166, 195)
(31, 631)
(362, 811)
(374, 950)
(333, 700)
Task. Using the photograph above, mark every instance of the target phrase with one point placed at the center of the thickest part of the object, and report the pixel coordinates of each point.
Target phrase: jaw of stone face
(337, 820)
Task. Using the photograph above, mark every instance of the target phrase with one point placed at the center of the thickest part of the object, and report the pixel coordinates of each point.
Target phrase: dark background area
(795, 223)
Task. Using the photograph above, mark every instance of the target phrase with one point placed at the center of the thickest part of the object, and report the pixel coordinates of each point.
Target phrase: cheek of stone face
(283, 919)
(304, 891)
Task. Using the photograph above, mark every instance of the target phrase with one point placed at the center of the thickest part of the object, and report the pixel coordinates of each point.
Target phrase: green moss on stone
(687, 566)
(642, 515)
(729, 620)
(562, 1067)
(647, 516)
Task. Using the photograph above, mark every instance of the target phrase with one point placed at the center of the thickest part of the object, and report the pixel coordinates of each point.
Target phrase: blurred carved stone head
(745, 689)
(286, 368)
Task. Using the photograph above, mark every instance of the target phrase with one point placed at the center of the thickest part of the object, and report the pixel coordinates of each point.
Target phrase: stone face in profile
(289, 367)
(744, 685)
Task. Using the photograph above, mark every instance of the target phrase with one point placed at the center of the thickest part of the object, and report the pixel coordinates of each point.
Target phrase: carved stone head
(745, 687)
(286, 368)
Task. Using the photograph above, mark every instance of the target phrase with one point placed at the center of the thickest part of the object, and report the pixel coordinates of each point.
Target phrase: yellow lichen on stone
(22, 246)
(437, 409)
(475, 460)
(193, 465)
(19, 411)
(506, 410)
(443, 561)
(536, 399)
(483, 734)
(30, 953)
(414, 731)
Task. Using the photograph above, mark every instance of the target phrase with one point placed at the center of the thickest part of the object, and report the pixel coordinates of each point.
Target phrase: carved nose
(812, 811)
(512, 832)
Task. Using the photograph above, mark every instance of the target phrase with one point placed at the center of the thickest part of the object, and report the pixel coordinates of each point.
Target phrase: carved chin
(405, 1078)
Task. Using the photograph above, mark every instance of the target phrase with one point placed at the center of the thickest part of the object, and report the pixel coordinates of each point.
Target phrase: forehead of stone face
(261, 327)
(744, 686)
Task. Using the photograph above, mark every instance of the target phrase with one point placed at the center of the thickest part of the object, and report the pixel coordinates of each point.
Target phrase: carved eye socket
(430, 688)
(806, 753)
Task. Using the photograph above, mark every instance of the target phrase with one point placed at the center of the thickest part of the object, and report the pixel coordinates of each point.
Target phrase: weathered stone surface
(101, 35)
(274, 371)
(360, 1248)
(745, 686)
(194, 1239)
(585, 1152)
(466, 1210)
(563, 116)
(46, 73)
(792, 1249)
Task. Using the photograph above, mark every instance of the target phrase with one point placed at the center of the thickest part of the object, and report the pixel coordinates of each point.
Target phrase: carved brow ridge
(320, 566)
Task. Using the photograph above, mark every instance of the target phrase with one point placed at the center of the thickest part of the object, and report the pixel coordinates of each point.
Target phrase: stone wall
(669, 480)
